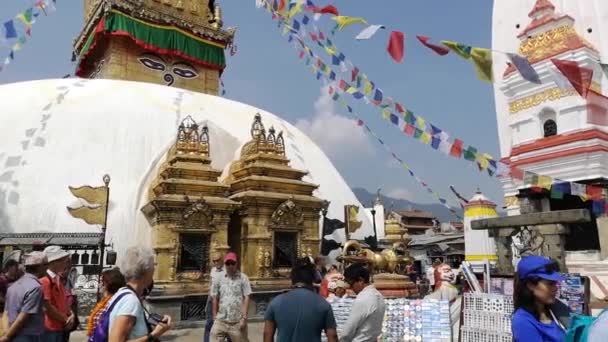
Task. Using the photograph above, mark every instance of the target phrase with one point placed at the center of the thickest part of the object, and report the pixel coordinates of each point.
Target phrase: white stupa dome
(70, 132)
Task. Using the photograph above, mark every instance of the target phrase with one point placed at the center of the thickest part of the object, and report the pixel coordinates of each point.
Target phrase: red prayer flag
(354, 74)
(399, 107)
(440, 50)
(579, 77)
(281, 5)
(329, 9)
(516, 173)
(594, 192)
(302, 53)
(597, 108)
(342, 84)
(321, 35)
(396, 46)
(409, 129)
(456, 150)
(313, 37)
(331, 90)
(359, 122)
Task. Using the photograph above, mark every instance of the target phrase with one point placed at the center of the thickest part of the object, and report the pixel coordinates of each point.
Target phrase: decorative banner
(482, 60)
(344, 21)
(396, 46)
(369, 32)
(440, 50)
(579, 77)
(525, 69)
(407, 122)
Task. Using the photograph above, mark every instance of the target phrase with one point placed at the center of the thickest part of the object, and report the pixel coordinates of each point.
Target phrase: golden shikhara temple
(178, 43)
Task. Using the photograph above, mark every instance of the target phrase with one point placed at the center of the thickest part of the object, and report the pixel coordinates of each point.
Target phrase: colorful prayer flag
(594, 192)
(461, 50)
(456, 150)
(579, 190)
(579, 77)
(482, 60)
(396, 46)
(524, 67)
(9, 30)
(329, 9)
(369, 32)
(440, 50)
(26, 17)
(345, 21)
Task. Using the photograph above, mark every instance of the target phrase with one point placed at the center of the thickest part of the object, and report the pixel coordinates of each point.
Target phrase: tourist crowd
(40, 305)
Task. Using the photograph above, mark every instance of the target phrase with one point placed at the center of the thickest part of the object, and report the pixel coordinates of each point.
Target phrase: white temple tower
(479, 247)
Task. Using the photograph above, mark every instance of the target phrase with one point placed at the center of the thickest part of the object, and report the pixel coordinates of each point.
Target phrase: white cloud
(401, 193)
(338, 136)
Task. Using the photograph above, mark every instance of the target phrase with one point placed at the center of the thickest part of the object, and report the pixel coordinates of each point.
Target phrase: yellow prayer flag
(295, 10)
(344, 21)
(386, 114)
(98, 195)
(420, 122)
(545, 182)
(351, 90)
(330, 51)
(425, 138)
(17, 47)
(352, 221)
(368, 87)
(90, 215)
(482, 60)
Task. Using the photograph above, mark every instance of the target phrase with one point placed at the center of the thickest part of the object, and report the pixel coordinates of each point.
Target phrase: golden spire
(190, 140)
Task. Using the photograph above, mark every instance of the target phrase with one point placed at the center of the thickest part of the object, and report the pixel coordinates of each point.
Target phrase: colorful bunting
(482, 60)
(396, 46)
(579, 77)
(525, 69)
(369, 32)
(440, 50)
(344, 21)
(461, 50)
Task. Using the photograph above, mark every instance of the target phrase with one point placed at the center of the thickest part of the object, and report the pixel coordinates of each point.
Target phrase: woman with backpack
(535, 293)
(126, 317)
(111, 281)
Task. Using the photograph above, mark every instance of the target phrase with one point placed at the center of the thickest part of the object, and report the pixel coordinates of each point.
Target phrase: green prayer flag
(556, 193)
(470, 153)
(482, 60)
(418, 133)
(461, 50)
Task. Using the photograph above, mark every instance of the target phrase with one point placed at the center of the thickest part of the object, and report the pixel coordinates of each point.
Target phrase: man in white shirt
(217, 271)
(364, 323)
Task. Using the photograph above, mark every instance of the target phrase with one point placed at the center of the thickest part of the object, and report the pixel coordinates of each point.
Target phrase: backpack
(101, 332)
(579, 327)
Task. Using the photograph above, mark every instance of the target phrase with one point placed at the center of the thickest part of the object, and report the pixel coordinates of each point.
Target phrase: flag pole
(102, 243)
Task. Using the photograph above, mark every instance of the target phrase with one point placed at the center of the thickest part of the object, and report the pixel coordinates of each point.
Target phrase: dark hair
(523, 297)
(356, 272)
(303, 271)
(10, 263)
(114, 280)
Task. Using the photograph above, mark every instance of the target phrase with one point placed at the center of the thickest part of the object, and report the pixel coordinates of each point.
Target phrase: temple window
(550, 128)
(194, 252)
(285, 249)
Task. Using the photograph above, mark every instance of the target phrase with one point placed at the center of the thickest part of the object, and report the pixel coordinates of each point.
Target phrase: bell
(111, 258)
(94, 258)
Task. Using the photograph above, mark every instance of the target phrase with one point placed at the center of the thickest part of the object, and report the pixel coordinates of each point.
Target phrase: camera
(154, 319)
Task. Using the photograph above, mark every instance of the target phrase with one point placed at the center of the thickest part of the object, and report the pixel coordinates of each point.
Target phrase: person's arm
(330, 326)
(269, 330)
(16, 327)
(332, 335)
(246, 288)
(122, 326)
(357, 316)
(31, 305)
(215, 296)
(50, 309)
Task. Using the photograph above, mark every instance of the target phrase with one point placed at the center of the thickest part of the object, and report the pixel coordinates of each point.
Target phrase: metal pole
(102, 243)
(375, 246)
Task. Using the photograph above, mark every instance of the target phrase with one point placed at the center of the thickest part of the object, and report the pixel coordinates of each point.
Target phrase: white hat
(35, 258)
(53, 253)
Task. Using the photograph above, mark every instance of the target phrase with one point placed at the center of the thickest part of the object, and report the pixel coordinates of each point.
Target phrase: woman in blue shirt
(535, 292)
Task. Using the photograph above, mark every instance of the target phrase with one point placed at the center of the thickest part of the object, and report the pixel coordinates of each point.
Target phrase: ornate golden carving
(191, 140)
(198, 215)
(511, 201)
(262, 143)
(552, 94)
(547, 44)
(287, 214)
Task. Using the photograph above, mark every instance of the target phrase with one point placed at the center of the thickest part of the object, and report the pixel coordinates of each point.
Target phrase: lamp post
(102, 244)
(375, 242)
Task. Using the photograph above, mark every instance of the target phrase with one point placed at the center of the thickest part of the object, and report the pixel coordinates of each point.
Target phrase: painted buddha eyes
(152, 64)
(184, 70)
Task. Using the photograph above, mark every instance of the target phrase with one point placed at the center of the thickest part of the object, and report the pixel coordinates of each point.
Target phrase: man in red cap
(230, 303)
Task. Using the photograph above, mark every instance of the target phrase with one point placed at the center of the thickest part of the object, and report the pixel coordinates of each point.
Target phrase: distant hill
(441, 213)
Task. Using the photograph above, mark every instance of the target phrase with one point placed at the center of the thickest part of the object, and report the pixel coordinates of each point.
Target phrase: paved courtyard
(256, 331)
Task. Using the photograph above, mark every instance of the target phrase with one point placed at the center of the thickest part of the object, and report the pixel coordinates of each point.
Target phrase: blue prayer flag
(10, 31)
(525, 69)
(394, 119)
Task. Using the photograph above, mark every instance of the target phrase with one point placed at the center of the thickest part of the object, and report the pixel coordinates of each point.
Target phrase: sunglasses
(230, 263)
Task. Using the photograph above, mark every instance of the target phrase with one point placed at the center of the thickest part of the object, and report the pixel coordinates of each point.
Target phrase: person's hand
(4, 339)
(243, 323)
(163, 327)
(69, 323)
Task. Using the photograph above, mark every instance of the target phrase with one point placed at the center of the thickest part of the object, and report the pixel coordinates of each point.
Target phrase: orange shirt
(54, 292)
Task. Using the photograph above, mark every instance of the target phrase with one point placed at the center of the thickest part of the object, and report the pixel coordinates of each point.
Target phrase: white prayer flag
(369, 32)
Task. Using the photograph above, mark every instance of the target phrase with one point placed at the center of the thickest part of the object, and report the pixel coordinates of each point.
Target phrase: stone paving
(256, 331)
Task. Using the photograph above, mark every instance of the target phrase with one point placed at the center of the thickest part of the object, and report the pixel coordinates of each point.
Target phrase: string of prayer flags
(461, 50)
(345, 21)
(369, 32)
(26, 18)
(524, 67)
(395, 47)
(482, 60)
(440, 50)
(579, 77)
(558, 190)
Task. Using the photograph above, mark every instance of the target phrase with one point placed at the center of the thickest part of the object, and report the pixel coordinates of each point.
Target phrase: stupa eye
(152, 64)
(184, 71)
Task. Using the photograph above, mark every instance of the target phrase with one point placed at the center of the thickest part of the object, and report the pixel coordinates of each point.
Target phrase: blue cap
(538, 266)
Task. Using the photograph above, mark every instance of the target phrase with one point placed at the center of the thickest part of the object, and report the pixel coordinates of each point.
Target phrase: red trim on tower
(541, 5)
(557, 140)
(560, 154)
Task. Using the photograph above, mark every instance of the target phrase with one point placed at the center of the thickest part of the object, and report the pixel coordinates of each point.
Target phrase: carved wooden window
(550, 128)
(285, 249)
(193, 253)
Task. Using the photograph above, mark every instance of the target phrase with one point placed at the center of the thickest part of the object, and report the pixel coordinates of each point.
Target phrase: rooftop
(415, 214)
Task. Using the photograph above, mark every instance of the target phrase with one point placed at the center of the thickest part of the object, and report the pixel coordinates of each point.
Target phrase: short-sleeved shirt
(216, 274)
(25, 295)
(129, 305)
(231, 291)
(54, 293)
(300, 315)
(526, 327)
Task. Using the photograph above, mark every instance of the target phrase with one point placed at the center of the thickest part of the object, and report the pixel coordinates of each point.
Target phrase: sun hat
(538, 266)
(35, 259)
(54, 253)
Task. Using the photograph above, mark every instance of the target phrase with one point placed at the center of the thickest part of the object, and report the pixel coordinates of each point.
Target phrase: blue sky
(267, 73)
